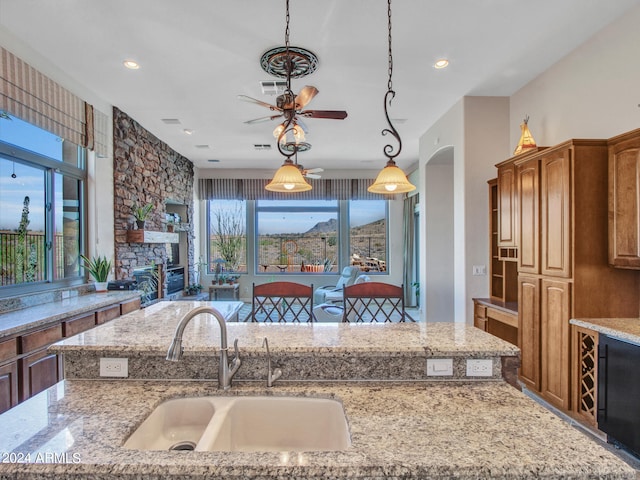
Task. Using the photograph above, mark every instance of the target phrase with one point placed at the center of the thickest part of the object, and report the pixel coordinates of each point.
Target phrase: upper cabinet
(507, 205)
(528, 183)
(624, 200)
(555, 212)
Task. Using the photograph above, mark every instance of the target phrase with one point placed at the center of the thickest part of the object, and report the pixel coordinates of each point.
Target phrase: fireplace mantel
(148, 236)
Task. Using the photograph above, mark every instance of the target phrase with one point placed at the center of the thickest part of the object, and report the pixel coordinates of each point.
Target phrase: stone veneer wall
(147, 170)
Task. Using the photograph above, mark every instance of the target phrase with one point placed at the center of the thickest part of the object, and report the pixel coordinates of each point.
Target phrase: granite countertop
(626, 329)
(480, 430)
(151, 330)
(17, 321)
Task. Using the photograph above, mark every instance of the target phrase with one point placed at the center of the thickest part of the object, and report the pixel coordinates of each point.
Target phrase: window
(42, 179)
(297, 236)
(227, 245)
(368, 234)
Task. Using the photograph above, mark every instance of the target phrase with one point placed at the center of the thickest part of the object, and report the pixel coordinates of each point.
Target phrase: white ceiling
(197, 55)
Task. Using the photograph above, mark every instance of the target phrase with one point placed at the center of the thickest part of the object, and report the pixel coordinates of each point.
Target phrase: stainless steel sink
(244, 424)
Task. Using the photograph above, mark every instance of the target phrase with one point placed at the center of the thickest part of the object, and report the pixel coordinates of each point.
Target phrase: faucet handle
(236, 362)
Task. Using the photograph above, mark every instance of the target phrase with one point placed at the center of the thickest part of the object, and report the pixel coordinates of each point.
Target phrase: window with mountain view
(297, 236)
(368, 234)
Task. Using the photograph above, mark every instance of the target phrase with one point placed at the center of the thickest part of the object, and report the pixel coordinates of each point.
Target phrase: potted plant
(99, 268)
(141, 214)
(193, 289)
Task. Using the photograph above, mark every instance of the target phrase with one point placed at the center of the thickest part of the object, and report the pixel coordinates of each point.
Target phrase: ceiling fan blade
(262, 119)
(305, 96)
(311, 175)
(244, 98)
(314, 170)
(333, 114)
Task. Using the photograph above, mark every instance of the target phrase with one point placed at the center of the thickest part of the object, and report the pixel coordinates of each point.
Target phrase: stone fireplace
(147, 170)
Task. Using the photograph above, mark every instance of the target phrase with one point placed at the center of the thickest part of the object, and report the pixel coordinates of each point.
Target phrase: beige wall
(476, 130)
(591, 93)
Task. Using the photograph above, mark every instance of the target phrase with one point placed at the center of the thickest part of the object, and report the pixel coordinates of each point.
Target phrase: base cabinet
(39, 371)
(8, 386)
(554, 342)
(529, 330)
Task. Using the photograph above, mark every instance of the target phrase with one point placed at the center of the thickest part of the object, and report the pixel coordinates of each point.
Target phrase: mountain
(330, 226)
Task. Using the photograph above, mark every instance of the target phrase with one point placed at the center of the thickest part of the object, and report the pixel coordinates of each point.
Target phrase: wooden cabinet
(507, 205)
(496, 318)
(527, 179)
(529, 330)
(562, 266)
(584, 343)
(130, 306)
(555, 219)
(624, 200)
(8, 386)
(79, 324)
(26, 368)
(554, 341)
(503, 272)
(39, 371)
(107, 313)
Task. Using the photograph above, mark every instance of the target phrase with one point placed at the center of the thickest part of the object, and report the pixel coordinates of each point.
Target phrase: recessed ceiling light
(188, 131)
(131, 64)
(213, 160)
(441, 63)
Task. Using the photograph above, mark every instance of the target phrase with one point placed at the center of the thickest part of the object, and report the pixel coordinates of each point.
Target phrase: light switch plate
(439, 367)
(114, 367)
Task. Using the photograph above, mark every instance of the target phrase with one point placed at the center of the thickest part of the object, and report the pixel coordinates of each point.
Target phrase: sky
(28, 181)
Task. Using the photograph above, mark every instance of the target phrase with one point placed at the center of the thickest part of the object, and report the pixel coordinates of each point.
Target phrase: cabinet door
(624, 204)
(38, 372)
(528, 175)
(555, 343)
(529, 330)
(8, 386)
(507, 206)
(479, 316)
(555, 213)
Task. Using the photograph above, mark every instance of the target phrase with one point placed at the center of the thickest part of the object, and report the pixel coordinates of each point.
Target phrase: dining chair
(282, 302)
(374, 302)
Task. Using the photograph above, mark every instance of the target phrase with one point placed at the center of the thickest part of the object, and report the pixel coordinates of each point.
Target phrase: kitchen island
(425, 427)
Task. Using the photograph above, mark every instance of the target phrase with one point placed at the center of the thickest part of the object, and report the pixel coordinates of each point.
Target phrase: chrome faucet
(226, 371)
(272, 376)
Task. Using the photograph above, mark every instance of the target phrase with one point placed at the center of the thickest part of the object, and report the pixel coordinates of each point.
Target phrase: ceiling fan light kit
(391, 179)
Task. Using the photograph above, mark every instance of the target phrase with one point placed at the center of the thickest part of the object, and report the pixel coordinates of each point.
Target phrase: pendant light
(288, 178)
(391, 178)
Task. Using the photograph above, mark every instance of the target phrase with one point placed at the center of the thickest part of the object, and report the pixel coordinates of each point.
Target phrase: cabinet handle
(602, 385)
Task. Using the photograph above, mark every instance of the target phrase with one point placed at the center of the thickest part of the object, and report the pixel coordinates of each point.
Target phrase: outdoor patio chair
(348, 277)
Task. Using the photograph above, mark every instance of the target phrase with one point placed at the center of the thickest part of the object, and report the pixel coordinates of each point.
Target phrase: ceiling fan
(289, 107)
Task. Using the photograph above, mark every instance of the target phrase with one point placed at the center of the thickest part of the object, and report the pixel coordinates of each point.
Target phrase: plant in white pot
(99, 268)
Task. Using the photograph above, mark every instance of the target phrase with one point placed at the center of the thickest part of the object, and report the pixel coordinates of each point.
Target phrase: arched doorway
(439, 249)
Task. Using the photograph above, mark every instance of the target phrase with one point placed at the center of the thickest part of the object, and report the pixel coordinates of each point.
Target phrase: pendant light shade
(390, 180)
(288, 179)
